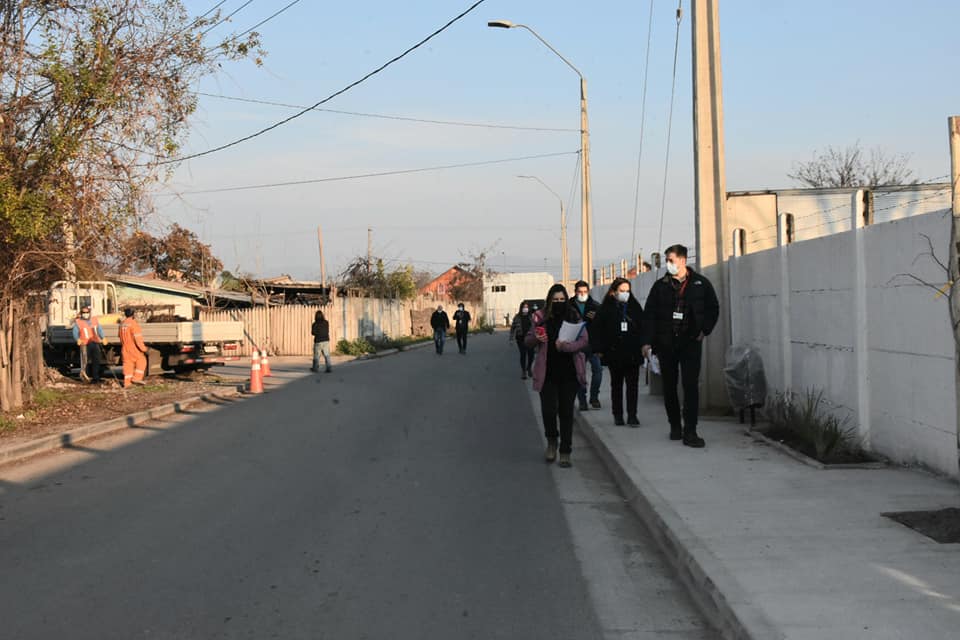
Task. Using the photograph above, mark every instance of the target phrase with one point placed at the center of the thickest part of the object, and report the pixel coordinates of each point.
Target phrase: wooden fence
(285, 329)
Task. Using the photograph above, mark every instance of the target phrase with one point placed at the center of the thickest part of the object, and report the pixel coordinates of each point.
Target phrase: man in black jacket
(682, 309)
(440, 323)
(321, 341)
(588, 308)
(461, 321)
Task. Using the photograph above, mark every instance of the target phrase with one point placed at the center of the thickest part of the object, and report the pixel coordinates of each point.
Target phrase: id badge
(623, 327)
(678, 315)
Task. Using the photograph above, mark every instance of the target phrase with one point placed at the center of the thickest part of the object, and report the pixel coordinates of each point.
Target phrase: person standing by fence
(461, 320)
(321, 342)
(518, 332)
(440, 323)
(682, 309)
(618, 337)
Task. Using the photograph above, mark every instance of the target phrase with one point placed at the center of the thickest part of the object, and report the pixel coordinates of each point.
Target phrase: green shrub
(7, 425)
(47, 397)
(805, 418)
(357, 347)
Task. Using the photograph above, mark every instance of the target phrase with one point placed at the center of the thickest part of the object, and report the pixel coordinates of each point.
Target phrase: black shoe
(676, 434)
(584, 406)
(595, 403)
(618, 420)
(329, 370)
(691, 439)
(523, 375)
(315, 369)
(633, 421)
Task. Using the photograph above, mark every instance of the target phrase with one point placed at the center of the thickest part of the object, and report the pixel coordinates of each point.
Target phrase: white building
(503, 293)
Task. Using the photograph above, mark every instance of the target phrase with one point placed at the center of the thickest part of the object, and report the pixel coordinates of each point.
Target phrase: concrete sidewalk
(772, 548)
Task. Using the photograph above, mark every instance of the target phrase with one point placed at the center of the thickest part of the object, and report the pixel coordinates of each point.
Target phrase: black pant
(556, 401)
(462, 339)
(684, 356)
(526, 356)
(93, 361)
(621, 373)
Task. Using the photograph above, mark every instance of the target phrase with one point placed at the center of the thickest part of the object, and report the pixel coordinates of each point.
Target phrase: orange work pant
(134, 365)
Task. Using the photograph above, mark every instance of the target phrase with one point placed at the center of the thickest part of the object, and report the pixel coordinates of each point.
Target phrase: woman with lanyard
(617, 338)
(558, 370)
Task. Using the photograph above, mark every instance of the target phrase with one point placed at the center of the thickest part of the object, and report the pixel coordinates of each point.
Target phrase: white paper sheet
(569, 331)
(653, 364)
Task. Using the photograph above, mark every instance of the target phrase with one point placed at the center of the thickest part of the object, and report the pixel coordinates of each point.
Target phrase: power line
(331, 96)
(375, 174)
(230, 15)
(456, 123)
(266, 20)
(643, 118)
(673, 93)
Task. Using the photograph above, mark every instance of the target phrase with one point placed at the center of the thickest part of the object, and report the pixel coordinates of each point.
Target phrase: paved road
(400, 498)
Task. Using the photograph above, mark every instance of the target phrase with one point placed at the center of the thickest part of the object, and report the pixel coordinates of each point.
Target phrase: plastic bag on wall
(744, 377)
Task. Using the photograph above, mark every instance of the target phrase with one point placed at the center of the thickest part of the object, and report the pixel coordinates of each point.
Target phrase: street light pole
(586, 212)
(564, 255)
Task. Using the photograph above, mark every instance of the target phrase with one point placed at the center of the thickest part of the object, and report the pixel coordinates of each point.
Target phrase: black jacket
(588, 306)
(439, 321)
(462, 319)
(701, 305)
(320, 331)
(606, 338)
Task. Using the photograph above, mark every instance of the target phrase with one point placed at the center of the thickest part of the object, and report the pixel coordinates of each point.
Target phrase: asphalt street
(399, 498)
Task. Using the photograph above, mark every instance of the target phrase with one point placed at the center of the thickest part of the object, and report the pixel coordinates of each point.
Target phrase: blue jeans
(439, 337)
(321, 348)
(596, 376)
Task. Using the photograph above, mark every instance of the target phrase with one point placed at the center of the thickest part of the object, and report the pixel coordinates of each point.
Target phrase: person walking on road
(321, 342)
(132, 350)
(618, 336)
(518, 332)
(461, 321)
(588, 308)
(440, 324)
(558, 371)
(682, 309)
(89, 336)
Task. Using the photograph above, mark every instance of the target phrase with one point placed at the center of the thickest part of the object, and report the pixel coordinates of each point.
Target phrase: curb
(67, 439)
(718, 595)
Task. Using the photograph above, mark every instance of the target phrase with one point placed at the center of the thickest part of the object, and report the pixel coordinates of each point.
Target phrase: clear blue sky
(798, 76)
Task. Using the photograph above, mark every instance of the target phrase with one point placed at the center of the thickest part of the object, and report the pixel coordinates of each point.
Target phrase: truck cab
(67, 298)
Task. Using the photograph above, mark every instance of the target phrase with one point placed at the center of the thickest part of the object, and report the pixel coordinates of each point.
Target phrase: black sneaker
(618, 420)
(676, 434)
(595, 403)
(691, 439)
(584, 406)
(633, 421)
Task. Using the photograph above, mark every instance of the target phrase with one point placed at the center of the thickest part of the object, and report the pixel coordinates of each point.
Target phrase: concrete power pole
(369, 248)
(323, 265)
(710, 181)
(954, 276)
(586, 208)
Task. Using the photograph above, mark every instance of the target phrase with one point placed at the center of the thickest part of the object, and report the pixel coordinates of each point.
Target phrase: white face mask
(623, 296)
(672, 268)
(525, 311)
(583, 297)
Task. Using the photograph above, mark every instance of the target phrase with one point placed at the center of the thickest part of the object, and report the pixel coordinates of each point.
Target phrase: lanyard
(683, 289)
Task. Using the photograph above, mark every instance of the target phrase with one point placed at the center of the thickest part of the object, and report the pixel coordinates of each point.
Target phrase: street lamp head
(501, 24)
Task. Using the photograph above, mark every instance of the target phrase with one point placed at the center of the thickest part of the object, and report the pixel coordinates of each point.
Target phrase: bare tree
(852, 167)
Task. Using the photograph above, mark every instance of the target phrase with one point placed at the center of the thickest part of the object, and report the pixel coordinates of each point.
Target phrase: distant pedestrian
(132, 350)
(518, 332)
(682, 309)
(461, 321)
(440, 323)
(558, 371)
(588, 308)
(617, 335)
(321, 342)
(89, 336)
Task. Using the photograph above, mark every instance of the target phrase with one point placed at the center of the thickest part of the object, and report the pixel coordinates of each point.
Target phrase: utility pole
(564, 256)
(323, 266)
(954, 275)
(710, 182)
(369, 248)
(586, 219)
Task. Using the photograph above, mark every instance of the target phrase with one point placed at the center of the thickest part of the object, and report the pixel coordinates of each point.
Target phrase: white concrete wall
(519, 287)
(835, 313)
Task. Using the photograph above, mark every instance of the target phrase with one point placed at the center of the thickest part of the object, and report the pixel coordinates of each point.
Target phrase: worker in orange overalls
(132, 350)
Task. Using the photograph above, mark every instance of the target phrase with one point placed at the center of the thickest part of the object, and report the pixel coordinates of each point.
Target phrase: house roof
(160, 285)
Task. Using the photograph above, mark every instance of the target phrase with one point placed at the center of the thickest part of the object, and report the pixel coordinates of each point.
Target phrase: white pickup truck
(172, 346)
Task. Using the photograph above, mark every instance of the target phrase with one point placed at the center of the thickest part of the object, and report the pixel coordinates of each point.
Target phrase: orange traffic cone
(256, 377)
(265, 365)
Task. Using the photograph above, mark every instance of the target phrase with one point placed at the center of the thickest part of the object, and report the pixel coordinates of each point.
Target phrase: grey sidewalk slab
(773, 548)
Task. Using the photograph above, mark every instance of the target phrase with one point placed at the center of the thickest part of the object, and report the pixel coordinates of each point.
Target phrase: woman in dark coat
(617, 336)
(558, 370)
(518, 331)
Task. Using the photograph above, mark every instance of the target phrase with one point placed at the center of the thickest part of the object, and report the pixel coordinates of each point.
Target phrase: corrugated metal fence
(286, 329)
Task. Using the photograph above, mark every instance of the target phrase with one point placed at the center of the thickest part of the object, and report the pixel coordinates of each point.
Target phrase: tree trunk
(16, 362)
(6, 403)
